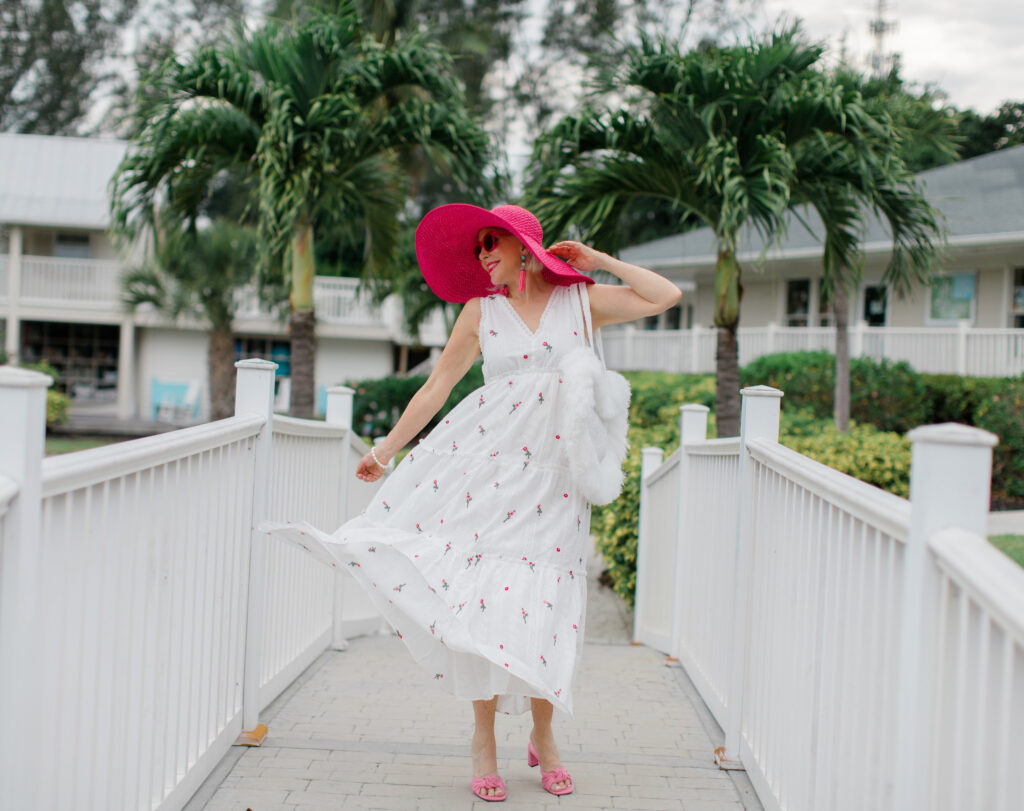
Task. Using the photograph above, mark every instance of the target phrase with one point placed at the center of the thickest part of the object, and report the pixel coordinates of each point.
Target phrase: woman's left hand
(580, 256)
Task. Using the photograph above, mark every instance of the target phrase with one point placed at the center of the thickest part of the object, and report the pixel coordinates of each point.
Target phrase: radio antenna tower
(882, 62)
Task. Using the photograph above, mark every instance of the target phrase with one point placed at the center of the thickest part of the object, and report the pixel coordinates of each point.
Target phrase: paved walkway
(365, 729)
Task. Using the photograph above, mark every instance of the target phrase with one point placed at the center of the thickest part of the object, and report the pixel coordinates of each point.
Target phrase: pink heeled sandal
(490, 781)
(548, 779)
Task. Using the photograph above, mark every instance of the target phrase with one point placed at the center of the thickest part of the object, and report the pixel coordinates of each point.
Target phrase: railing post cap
(952, 433)
(761, 391)
(703, 409)
(651, 449)
(341, 390)
(14, 377)
(256, 363)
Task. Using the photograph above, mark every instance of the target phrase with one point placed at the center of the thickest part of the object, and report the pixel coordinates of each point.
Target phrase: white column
(695, 340)
(856, 338)
(759, 419)
(127, 407)
(950, 474)
(12, 341)
(693, 427)
(23, 415)
(650, 460)
(963, 325)
(339, 412)
(770, 341)
(254, 394)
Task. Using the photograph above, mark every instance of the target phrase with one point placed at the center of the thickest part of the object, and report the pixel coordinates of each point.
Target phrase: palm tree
(925, 135)
(731, 138)
(315, 113)
(197, 273)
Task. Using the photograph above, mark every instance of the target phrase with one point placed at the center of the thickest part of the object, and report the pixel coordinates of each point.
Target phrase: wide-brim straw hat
(445, 242)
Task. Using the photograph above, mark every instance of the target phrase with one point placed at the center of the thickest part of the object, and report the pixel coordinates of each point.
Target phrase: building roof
(982, 200)
(56, 180)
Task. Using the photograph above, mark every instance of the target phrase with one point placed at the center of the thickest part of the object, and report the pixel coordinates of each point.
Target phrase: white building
(60, 299)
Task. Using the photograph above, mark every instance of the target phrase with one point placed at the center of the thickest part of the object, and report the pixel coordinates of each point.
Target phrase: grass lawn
(1011, 545)
(66, 444)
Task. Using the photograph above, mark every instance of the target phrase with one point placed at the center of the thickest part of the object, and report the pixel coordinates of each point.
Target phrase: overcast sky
(973, 50)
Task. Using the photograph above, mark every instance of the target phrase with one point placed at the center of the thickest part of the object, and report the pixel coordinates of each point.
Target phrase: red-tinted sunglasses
(488, 243)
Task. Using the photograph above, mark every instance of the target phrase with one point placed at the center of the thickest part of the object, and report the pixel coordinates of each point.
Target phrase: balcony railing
(96, 284)
(337, 300)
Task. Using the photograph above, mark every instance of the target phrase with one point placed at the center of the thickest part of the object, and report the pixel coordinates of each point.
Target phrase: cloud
(974, 52)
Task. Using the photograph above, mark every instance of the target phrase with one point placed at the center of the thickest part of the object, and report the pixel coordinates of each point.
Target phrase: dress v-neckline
(547, 305)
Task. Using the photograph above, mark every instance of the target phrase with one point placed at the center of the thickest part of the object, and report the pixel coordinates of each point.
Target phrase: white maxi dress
(475, 547)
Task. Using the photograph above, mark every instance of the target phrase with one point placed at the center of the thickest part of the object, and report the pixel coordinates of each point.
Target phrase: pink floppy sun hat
(446, 237)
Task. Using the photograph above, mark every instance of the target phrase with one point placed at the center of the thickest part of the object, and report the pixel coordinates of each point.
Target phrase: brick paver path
(365, 728)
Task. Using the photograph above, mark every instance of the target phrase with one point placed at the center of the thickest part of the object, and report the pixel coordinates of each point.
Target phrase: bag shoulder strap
(590, 335)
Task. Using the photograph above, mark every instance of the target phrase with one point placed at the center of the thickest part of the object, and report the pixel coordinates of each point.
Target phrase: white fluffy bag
(596, 401)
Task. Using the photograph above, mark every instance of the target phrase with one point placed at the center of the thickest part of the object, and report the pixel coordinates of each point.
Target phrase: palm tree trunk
(728, 292)
(302, 321)
(840, 310)
(727, 383)
(221, 368)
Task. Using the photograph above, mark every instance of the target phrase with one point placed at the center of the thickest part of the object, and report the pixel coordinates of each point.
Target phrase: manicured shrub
(380, 402)
(881, 458)
(652, 391)
(952, 398)
(1003, 415)
(889, 395)
(57, 404)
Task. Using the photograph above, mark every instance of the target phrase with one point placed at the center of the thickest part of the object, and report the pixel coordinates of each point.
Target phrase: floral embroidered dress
(475, 546)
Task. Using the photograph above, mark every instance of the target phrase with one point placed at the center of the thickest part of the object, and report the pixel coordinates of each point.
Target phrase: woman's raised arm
(644, 292)
(462, 349)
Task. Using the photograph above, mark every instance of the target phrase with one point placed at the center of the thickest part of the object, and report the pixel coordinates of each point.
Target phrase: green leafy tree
(733, 137)
(199, 273)
(982, 134)
(315, 113)
(51, 60)
(923, 135)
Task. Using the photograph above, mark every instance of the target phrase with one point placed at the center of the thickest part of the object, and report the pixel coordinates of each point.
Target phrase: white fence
(143, 624)
(337, 300)
(86, 282)
(859, 650)
(961, 350)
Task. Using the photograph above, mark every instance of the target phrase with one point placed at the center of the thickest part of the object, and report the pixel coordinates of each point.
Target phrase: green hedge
(57, 404)
(889, 395)
(379, 403)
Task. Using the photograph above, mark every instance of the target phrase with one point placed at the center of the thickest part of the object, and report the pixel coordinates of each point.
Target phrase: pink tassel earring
(522, 272)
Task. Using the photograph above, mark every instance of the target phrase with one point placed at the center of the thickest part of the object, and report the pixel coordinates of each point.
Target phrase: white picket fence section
(961, 350)
(859, 650)
(143, 624)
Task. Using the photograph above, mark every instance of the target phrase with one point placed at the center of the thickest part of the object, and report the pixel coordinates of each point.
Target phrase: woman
(475, 547)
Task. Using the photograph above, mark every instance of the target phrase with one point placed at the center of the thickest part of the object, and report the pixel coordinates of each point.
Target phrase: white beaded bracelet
(373, 453)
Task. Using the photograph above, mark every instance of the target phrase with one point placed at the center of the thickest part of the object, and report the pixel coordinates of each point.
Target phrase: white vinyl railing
(337, 299)
(144, 625)
(859, 650)
(4, 277)
(86, 282)
(962, 350)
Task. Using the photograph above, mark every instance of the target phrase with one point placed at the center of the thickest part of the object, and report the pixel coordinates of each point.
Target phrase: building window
(874, 305)
(798, 302)
(272, 349)
(85, 356)
(674, 317)
(1018, 298)
(71, 246)
(952, 298)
